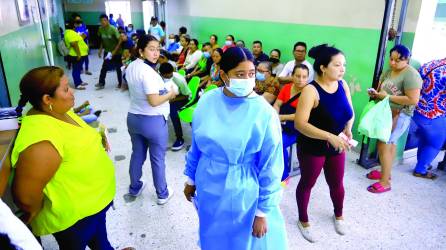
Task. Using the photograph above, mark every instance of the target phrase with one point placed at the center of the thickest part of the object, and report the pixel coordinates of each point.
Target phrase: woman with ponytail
(323, 113)
(64, 180)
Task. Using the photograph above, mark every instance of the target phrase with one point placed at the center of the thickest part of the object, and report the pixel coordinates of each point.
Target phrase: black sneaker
(97, 113)
(177, 145)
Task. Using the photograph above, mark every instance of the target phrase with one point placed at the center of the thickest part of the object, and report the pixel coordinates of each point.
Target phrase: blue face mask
(206, 54)
(241, 87)
(260, 76)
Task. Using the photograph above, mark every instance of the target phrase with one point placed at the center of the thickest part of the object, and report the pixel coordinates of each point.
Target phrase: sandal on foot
(427, 175)
(377, 188)
(374, 175)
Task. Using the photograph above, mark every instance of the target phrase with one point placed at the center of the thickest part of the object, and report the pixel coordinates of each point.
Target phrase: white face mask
(171, 40)
(241, 87)
(228, 43)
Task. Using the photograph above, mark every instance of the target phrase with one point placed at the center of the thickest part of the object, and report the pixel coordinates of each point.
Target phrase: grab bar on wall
(365, 160)
(401, 21)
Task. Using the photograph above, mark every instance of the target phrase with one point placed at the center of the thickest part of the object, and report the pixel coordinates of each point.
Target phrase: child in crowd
(87, 113)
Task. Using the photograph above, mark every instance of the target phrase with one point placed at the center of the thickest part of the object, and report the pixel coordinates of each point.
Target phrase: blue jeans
(287, 140)
(77, 69)
(148, 132)
(90, 231)
(432, 135)
(91, 117)
(174, 107)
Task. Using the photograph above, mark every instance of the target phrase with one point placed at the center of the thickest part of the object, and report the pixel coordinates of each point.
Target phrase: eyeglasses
(262, 71)
(154, 49)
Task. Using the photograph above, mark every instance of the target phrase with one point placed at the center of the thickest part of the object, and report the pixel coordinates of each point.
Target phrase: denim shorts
(401, 126)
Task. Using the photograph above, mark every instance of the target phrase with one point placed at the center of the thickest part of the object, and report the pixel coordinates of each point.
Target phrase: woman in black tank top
(324, 111)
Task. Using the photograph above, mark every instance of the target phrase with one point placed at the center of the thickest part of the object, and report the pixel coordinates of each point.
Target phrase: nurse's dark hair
(402, 50)
(233, 56)
(144, 40)
(322, 55)
(37, 83)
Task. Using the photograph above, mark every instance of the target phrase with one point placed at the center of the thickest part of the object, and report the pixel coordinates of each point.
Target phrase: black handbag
(287, 109)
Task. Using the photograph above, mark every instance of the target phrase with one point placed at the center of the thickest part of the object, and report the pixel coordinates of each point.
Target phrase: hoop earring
(51, 107)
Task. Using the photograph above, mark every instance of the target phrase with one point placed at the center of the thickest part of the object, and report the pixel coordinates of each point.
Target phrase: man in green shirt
(110, 48)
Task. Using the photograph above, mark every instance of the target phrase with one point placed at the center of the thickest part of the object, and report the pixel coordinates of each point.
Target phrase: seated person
(257, 52)
(126, 42)
(213, 40)
(285, 104)
(167, 73)
(274, 58)
(87, 114)
(203, 66)
(229, 42)
(174, 43)
(214, 72)
(126, 60)
(266, 85)
(181, 56)
(166, 58)
(193, 56)
(240, 44)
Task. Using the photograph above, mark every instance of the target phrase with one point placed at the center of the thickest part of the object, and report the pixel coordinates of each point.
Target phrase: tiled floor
(411, 216)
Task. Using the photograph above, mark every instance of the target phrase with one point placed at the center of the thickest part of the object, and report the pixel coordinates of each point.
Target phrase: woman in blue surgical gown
(235, 163)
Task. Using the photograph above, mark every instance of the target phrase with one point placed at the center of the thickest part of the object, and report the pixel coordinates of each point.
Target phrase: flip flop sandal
(377, 188)
(374, 175)
(427, 175)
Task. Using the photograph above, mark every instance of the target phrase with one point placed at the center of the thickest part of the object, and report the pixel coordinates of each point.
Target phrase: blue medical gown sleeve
(270, 167)
(192, 158)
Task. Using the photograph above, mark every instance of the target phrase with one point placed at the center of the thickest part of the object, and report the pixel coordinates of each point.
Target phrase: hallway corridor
(411, 216)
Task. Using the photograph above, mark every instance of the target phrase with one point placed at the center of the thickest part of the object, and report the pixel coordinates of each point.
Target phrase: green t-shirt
(71, 36)
(110, 37)
(406, 80)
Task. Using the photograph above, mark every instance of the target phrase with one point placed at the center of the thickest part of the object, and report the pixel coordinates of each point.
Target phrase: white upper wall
(99, 6)
(340, 13)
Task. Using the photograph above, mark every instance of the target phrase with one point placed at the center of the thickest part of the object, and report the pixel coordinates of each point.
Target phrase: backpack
(62, 48)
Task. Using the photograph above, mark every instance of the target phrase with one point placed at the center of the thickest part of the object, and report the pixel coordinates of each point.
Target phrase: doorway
(119, 8)
(148, 11)
(430, 35)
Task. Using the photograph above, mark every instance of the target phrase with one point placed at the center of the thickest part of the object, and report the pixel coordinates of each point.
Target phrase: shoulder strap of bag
(292, 99)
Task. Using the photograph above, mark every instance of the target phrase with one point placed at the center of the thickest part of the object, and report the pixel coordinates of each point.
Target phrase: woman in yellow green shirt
(64, 180)
(78, 52)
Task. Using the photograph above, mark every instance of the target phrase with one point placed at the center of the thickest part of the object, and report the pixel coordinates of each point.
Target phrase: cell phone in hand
(351, 142)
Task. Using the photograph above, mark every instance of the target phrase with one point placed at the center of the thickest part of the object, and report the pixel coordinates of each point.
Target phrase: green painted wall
(92, 18)
(21, 51)
(138, 20)
(359, 45)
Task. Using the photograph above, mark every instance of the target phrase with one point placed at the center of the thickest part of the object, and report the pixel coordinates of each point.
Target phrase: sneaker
(100, 87)
(306, 232)
(88, 73)
(140, 190)
(177, 145)
(340, 226)
(165, 200)
(97, 113)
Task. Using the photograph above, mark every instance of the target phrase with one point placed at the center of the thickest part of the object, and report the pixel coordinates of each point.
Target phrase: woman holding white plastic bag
(401, 84)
